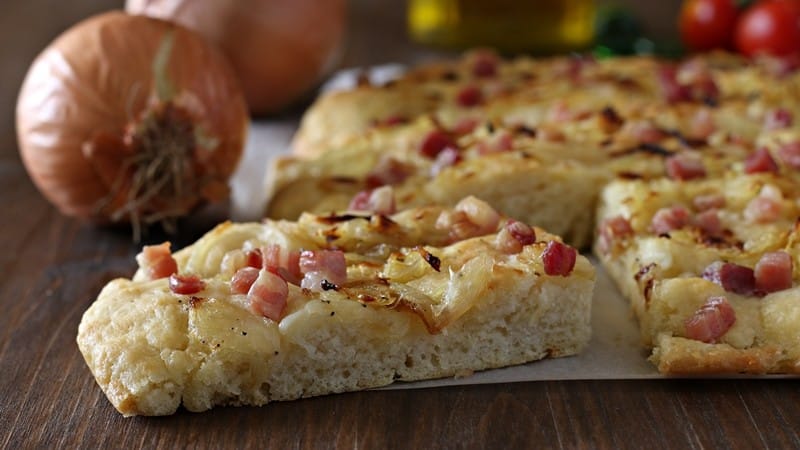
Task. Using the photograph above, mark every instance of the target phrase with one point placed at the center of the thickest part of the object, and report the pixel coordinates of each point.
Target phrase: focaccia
(257, 312)
(653, 136)
(482, 87)
(711, 269)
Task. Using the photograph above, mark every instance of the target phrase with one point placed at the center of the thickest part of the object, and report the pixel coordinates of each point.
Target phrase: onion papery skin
(95, 81)
(279, 49)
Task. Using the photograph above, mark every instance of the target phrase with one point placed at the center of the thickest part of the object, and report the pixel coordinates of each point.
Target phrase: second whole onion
(279, 49)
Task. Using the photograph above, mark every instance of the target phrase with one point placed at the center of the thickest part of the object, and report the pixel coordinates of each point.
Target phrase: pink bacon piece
(323, 269)
(711, 321)
(268, 295)
(760, 161)
(732, 277)
(185, 284)
(157, 261)
(773, 272)
(668, 219)
(514, 236)
(378, 201)
(684, 166)
(558, 259)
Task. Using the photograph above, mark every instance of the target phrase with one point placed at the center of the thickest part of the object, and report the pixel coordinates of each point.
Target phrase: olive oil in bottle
(510, 26)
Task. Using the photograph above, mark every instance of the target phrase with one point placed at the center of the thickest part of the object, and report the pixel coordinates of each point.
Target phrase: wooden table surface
(52, 267)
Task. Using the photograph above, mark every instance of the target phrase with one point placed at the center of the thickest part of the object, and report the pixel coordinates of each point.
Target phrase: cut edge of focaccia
(662, 278)
(151, 350)
(560, 196)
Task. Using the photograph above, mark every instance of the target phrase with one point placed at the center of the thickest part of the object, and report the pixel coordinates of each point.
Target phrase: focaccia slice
(711, 269)
(257, 312)
(568, 154)
(481, 86)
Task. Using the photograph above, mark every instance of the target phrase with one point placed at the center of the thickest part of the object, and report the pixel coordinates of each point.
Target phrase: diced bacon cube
(515, 235)
(156, 261)
(185, 284)
(484, 65)
(732, 277)
(711, 321)
(760, 161)
(709, 222)
(668, 219)
(378, 201)
(708, 201)
(268, 295)
(469, 96)
(558, 259)
(766, 207)
(672, 90)
(684, 166)
(773, 272)
(434, 142)
(330, 264)
(465, 125)
(243, 279)
(612, 229)
(777, 119)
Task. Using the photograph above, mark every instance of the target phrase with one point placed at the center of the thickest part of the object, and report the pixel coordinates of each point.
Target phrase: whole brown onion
(279, 49)
(129, 118)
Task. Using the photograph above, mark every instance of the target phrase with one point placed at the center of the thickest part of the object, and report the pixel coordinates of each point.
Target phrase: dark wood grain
(52, 267)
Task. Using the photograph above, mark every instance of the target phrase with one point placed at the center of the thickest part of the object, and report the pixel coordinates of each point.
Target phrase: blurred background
(376, 33)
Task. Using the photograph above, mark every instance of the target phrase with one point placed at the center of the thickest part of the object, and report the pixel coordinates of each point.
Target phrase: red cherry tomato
(708, 24)
(771, 27)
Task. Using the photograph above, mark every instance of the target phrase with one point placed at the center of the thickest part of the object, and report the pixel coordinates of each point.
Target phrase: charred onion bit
(430, 258)
(558, 258)
(185, 284)
(711, 321)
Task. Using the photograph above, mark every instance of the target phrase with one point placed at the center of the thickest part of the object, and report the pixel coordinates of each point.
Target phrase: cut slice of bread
(466, 306)
(665, 273)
